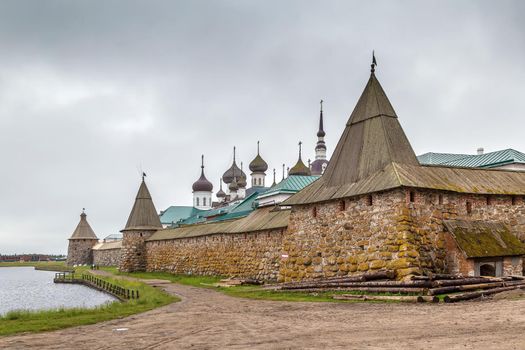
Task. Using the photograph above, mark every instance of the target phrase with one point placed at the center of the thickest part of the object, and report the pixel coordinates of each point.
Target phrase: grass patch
(40, 265)
(250, 292)
(48, 320)
(190, 280)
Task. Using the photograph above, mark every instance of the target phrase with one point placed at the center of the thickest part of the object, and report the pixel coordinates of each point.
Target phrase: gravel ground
(206, 319)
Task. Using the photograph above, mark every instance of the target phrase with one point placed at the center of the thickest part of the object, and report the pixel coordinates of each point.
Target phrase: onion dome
(233, 171)
(233, 187)
(220, 193)
(258, 165)
(202, 184)
(242, 180)
(299, 168)
(318, 166)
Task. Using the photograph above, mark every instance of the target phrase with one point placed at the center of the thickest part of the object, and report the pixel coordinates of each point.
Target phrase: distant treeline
(31, 257)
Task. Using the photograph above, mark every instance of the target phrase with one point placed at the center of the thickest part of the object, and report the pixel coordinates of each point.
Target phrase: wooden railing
(96, 283)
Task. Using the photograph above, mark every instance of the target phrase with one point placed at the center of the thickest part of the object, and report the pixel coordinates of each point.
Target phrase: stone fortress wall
(400, 229)
(252, 254)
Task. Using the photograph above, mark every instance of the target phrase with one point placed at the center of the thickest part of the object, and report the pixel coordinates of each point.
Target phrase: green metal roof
(228, 212)
(487, 160)
(432, 158)
(175, 213)
(292, 184)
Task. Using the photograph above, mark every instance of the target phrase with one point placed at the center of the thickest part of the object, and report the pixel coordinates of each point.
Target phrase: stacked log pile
(417, 289)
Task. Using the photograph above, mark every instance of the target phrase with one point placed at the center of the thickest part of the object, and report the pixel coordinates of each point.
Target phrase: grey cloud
(91, 91)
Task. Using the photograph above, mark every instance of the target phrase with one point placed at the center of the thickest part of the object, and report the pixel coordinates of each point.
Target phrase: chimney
(480, 151)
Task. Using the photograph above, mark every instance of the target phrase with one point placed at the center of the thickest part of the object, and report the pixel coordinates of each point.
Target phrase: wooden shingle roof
(372, 139)
(143, 216)
(83, 229)
(258, 220)
(373, 155)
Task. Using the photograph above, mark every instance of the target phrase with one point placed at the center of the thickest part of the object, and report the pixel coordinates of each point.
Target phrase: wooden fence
(96, 283)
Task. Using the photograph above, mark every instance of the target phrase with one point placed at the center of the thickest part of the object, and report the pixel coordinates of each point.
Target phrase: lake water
(27, 288)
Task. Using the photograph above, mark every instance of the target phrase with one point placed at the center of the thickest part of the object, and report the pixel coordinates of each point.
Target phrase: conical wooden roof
(83, 230)
(372, 139)
(143, 216)
(374, 155)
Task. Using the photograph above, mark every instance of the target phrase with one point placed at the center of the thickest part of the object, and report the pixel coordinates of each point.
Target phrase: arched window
(260, 181)
(197, 201)
(204, 201)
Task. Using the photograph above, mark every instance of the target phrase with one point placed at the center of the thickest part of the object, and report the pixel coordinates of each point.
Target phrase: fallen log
(459, 282)
(365, 297)
(369, 276)
(473, 295)
(517, 277)
(460, 288)
(358, 289)
(399, 284)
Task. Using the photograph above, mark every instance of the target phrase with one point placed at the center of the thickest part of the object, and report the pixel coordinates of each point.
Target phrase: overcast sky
(93, 91)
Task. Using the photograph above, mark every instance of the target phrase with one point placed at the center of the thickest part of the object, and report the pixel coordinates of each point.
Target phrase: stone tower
(81, 242)
(143, 221)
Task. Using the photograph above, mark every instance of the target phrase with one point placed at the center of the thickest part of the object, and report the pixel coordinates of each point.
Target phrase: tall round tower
(202, 190)
(142, 223)
(258, 168)
(81, 242)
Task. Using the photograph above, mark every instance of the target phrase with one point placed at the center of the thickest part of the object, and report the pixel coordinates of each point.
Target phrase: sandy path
(207, 319)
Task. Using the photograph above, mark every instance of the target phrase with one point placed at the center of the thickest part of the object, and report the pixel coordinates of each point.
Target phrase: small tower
(274, 183)
(142, 223)
(258, 168)
(221, 195)
(81, 242)
(202, 190)
(299, 168)
(320, 163)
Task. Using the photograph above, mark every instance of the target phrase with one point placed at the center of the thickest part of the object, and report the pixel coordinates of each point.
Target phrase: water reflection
(27, 288)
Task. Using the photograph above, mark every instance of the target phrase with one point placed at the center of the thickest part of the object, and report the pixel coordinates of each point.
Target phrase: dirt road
(206, 319)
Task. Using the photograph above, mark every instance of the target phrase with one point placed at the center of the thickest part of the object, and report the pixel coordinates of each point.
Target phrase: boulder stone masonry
(253, 255)
(133, 255)
(79, 251)
(107, 257)
(400, 229)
